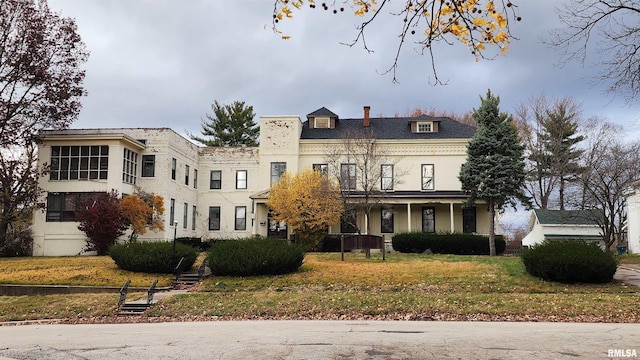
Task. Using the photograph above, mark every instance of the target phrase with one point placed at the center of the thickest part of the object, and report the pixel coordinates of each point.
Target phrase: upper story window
(386, 177)
(348, 176)
(427, 177)
(424, 127)
(129, 167)
(148, 165)
(241, 179)
(186, 174)
(323, 168)
(322, 123)
(79, 162)
(174, 165)
(216, 179)
(277, 171)
(195, 178)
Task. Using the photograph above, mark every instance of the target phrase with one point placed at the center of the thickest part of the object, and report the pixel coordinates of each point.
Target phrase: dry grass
(73, 270)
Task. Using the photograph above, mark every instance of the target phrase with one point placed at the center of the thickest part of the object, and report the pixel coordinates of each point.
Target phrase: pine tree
(230, 125)
(494, 170)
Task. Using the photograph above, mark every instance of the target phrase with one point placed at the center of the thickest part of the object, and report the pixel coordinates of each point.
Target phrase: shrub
(152, 257)
(254, 256)
(194, 242)
(570, 261)
(411, 242)
(330, 243)
(446, 243)
(18, 242)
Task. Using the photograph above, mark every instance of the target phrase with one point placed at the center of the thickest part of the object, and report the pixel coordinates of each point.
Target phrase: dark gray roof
(568, 217)
(391, 128)
(323, 111)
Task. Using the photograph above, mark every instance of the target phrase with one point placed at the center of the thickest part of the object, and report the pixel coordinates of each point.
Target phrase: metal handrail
(123, 293)
(202, 268)
(151, 291)
(178, 270)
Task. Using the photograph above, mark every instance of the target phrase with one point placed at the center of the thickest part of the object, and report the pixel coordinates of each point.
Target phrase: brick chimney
(366, 116)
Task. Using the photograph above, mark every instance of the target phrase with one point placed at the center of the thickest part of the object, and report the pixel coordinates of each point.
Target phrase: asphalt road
(322, 340)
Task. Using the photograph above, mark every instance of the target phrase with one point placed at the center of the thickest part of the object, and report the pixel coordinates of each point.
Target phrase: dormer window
(322, 123)
(425, 127)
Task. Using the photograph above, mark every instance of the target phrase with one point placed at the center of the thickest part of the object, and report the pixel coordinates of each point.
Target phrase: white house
(633, 218)
(563, 225)
(221, 192)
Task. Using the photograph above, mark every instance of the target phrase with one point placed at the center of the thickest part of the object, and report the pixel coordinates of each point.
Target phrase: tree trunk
(492, 228)
(561, 191)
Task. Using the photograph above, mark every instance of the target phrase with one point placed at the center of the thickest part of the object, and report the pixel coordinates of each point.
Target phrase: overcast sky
(162, 63)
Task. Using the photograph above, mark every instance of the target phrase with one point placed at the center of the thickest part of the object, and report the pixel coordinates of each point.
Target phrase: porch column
(451, 217)
(408, 217)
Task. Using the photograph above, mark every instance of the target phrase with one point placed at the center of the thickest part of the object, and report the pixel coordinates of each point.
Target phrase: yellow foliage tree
(478, 24)
(308, 202)
(143, 210)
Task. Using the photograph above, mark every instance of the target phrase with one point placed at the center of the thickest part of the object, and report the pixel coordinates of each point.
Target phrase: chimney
(366, 116)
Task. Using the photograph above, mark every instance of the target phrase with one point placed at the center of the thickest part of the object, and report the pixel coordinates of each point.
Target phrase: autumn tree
(494, 170)
(230, 125)
(608, 32)
(549, 130)
(480, 25)
(142, 210)
(40, 87)
(309, 202)
(100, 219)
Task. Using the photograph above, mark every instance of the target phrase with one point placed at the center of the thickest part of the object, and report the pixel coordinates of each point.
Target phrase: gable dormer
(424, 124)
(322, 118)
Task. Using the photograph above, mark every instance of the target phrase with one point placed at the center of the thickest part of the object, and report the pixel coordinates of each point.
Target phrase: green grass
(406, 286)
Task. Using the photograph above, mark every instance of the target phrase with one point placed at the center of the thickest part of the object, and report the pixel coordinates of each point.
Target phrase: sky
(162, 63)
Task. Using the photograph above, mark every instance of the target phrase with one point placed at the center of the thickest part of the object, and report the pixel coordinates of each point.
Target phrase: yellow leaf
(286, 37)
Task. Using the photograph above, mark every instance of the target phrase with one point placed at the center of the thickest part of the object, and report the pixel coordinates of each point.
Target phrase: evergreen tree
(494, 170)
(559, 140)
(230, 125)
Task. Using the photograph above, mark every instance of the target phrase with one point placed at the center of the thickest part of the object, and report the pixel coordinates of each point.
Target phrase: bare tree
(40, 88)
(361, 165)
(479, 25)
(611, 167)
(607, 31)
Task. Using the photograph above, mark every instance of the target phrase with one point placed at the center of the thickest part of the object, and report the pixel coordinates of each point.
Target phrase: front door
(428, 219)
(277, 229)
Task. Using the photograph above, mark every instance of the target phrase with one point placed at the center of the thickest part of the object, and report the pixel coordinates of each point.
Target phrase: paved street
(321, 340)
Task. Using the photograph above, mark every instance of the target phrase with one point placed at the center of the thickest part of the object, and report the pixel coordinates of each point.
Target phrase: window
(386, 177)
(386, 219)
(216, 179)
(241, 179)
(348, 222)
(424, 127)
(172, 212)
(277, 170)
(428, 219)
(469, 219)
(195, 178)
(186, 174)
(79, 162)
(185, 215)
(241, 217)
(427, 177)
(322, 122)
(214, 217)
(174, 164)
(148, 165)
(323, 168)
(129, 167)
(194, 213)
(348, 176)
(63, 206)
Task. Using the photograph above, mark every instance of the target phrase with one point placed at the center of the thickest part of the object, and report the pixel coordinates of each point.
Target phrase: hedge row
(152, 257)
(254, 256)
(445, 243)
(570, 261)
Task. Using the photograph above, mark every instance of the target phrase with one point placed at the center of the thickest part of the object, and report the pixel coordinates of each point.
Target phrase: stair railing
(123, 293)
